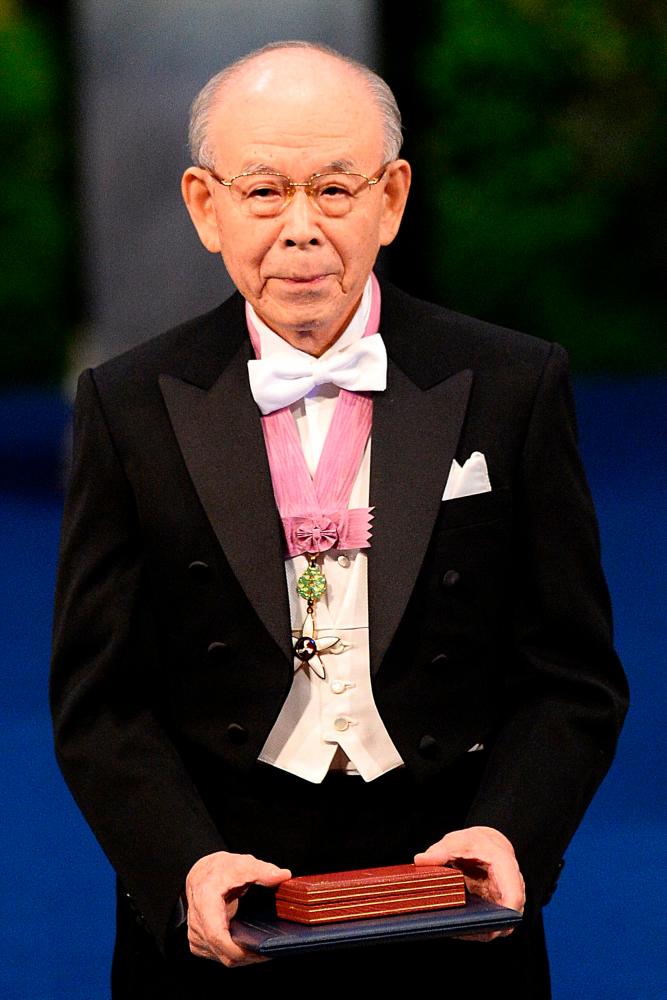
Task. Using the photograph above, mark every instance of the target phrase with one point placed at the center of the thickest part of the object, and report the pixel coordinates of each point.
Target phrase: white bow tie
(281, 379)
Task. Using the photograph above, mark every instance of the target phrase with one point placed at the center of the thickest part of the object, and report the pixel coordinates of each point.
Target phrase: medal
(311, 585)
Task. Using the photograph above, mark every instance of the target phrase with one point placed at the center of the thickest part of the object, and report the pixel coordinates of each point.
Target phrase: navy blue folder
(269, 935)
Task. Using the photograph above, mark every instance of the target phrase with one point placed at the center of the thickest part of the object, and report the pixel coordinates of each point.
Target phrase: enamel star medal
(311, 585)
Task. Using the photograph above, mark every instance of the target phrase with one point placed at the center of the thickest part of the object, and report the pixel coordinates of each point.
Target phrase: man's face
(298, 112)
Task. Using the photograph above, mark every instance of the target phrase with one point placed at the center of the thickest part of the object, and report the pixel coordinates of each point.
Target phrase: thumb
(269, 874)
(433, 856)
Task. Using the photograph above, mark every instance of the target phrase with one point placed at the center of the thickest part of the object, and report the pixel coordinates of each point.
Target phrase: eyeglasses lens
(267, 194)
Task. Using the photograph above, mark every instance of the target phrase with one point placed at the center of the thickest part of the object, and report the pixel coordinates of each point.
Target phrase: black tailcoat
(489, 614)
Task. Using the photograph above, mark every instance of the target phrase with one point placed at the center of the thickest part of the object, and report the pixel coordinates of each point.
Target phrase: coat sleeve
(566, 693)
(117, 759)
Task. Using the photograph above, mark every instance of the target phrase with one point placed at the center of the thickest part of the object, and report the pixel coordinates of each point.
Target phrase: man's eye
(334, 191)
(264, 192)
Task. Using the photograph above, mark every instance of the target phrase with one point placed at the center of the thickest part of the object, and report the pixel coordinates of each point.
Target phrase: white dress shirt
(332, 722)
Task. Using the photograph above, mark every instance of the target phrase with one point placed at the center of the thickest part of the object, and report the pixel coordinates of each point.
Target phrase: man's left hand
(488, 862)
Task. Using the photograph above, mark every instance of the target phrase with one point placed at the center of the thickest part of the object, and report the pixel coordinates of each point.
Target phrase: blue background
(604, 924)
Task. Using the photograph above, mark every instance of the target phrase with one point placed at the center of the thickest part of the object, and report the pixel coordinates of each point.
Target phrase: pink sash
(314, 510)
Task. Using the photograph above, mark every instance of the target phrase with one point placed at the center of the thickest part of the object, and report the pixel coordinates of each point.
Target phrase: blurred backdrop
(536, 133)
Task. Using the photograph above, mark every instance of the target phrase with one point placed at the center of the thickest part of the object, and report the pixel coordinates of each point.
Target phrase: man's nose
(301, 221)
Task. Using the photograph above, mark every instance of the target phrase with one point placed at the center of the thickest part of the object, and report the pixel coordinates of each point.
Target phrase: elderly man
(327, 598)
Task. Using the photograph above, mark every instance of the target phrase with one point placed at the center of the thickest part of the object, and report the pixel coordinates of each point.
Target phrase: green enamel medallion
(312, 584)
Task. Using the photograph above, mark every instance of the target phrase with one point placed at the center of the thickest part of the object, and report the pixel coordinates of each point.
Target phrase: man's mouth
(302, 279)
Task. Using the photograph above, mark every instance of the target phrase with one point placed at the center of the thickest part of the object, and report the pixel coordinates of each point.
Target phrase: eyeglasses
(265, 194)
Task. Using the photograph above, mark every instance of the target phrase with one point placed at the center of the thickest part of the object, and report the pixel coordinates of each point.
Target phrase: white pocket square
(467, 479)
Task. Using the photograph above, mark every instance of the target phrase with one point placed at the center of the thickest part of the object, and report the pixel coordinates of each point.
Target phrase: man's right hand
(213, 887)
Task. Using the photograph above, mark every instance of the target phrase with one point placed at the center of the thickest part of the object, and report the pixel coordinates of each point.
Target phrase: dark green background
(40, 298)
(537, 135)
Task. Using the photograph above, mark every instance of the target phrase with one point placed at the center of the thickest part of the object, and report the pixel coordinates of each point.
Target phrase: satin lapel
(415, 434)
(220, 436)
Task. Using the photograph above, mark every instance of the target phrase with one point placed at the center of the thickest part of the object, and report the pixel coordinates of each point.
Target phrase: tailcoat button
(237, 733)
(451, 578)
(440, 660)
(218, 651)
(428, 747)
(199, 571)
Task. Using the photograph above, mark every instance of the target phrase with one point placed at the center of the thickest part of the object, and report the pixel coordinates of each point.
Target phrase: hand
(488, 862)
(213, 887)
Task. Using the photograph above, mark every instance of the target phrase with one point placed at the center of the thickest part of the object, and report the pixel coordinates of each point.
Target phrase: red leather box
(369, 892)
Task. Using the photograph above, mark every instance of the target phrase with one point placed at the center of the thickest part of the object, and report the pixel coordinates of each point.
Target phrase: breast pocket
(480, 508)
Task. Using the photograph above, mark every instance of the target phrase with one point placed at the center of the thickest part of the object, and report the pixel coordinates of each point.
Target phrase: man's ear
(395, 195)
(198, 197)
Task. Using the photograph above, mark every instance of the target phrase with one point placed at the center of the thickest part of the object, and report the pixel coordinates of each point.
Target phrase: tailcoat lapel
(416, 427)
(220, 436)
(415, 435)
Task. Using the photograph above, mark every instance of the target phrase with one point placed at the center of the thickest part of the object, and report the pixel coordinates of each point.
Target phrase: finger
(267, 874)
(226, 956)
(246, 870)
(505, 881)
(443, 856)
(210, 937)
(434, 857)
(484, 937)
(231, 953)
(497, 879)
(510, 884)
(208, 919)
(458, 843)
(223, 957)
(227, 872)
(266, 879)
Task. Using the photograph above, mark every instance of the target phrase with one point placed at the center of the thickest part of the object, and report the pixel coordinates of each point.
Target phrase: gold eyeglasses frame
(307, 185)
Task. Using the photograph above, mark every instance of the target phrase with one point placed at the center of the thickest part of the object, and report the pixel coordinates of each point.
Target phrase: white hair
(201, 150)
